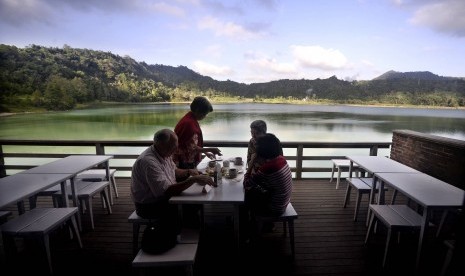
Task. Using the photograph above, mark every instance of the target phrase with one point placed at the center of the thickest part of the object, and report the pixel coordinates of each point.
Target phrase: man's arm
(177, 188)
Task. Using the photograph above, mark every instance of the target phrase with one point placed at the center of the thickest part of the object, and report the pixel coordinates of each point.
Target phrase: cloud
(447, 16)
(23, 12)
(319, 57)
(226, 29)
(264, 64)
(162, 7)
(208, 69)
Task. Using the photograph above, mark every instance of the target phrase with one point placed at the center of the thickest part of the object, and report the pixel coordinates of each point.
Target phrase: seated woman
(269, 189)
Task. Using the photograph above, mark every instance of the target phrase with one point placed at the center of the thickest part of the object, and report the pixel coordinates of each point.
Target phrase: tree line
(62, 78)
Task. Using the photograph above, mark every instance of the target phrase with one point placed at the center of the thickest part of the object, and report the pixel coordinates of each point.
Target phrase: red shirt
(190, 138)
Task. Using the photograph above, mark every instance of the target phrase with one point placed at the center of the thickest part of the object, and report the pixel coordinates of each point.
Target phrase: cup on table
(211, 164)
(238, 161)
(226, 163)
(232, 173)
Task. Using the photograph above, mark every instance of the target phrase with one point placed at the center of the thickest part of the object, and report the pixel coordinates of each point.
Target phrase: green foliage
(61, 79)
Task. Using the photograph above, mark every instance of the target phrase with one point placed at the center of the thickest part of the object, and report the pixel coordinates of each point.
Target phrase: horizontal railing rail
(14, 154)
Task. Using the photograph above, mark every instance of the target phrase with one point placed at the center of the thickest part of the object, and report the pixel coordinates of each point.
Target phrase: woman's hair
(201, 105)
(269, 146)
(259, 126)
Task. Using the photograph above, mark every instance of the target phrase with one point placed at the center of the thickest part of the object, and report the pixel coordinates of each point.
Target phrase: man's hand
(203, 180)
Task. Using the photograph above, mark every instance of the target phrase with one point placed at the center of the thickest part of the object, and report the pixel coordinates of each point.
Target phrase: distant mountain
(61, 78)
(419, 75)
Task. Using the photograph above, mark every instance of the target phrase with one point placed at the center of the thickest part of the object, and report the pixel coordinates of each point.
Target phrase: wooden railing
(17, 154)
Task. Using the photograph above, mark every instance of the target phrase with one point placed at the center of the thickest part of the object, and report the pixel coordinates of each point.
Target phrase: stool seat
(395, 218)
(288, 217)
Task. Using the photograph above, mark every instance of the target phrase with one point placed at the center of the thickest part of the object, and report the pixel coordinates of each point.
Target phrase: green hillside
(62, 78)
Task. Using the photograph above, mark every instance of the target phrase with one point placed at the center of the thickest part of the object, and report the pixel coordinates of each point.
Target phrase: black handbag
(158, 238)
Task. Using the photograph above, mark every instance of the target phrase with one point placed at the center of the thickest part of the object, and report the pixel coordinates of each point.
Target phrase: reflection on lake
(231, 122)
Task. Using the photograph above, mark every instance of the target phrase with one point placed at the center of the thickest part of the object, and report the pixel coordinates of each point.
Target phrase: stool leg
(338, 177)
(347, 197)
(388, 239)
(135, 237)
(332, 173)
(370, 226)
(357, 204)
(46, 246)
(115, 188)
(74, 227)
(291, 237)
(91, 213)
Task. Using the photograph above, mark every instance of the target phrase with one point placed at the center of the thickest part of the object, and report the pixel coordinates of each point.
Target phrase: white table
(377, 164)
(15, 188)
(431, 193)
(230, 192)
(72, 165)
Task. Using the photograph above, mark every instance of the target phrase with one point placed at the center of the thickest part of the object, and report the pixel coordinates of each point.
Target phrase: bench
(288, 217)
(340, 165)
(98, 175)
(85, 191)
(395, 218)
(39, 223)
(362, 186)
(182, 254)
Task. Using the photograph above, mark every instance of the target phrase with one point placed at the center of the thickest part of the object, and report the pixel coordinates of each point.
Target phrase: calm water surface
(231, 122)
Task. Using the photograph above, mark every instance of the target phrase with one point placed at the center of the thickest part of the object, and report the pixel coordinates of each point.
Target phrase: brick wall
(440, 157)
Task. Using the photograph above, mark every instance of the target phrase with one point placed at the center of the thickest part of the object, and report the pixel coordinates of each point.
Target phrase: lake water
(327, 123)
(231, 122)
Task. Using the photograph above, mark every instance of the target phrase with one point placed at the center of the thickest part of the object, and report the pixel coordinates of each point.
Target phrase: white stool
(341, 165)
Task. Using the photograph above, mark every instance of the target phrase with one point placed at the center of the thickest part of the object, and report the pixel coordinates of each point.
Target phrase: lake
(231, 122)
(327, 123)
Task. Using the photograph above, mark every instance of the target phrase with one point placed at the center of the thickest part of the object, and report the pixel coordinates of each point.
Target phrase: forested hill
(60, 78)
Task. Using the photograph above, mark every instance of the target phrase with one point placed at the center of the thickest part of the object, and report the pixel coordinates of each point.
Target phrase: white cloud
(447, 16)
(270, 64)
(165, 8)
(214, 51)
(227, 29)
(319, 57)
(211, 70)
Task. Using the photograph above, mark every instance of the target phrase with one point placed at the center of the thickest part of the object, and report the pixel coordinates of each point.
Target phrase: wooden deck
(328, 242)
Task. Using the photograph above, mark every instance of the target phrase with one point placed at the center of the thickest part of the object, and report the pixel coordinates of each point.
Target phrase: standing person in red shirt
(190, 151)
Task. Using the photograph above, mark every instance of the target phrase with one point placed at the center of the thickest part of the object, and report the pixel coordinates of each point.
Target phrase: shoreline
(5, 114)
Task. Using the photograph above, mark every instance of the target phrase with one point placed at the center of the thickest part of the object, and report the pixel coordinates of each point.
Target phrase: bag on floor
(157, 238)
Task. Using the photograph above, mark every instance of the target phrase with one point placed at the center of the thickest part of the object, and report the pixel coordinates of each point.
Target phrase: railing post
(2, 163)
(299, 161)
(99, 149)
(374, 150)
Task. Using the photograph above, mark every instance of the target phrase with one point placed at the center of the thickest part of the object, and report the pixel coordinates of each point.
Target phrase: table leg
(236, 226)
(423, 230)
(74, 198)
(351, 165)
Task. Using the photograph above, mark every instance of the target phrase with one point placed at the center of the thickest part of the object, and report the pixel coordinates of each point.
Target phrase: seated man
(153, 180)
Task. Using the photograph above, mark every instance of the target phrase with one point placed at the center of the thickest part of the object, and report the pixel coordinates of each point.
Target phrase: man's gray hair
(163, 136)
(259, 125)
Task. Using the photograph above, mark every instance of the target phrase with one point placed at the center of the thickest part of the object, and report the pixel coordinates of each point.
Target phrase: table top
(229, 191)
(425, 189)
(375, 164)
(71, 164)
(19, 186)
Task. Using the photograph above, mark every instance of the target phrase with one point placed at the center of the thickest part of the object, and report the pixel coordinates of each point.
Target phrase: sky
(252, 41)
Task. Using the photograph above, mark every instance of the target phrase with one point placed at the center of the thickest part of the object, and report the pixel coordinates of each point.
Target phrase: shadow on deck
(328, 242)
